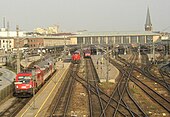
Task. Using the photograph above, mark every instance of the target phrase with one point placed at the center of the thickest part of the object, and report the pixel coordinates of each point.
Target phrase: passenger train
(87, 53)
(29, 81)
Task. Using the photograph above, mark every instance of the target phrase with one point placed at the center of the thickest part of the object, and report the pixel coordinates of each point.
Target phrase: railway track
(95, 102)
(122, 93)
(104, 97)
(148, 69)
(165, 76)
(15, 107)
(161, 81)
(108, 104)
(145, 70)
(121, 102)
(60, 105)
(158, 98)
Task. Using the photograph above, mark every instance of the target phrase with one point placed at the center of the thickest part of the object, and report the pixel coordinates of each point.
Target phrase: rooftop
(82, 34)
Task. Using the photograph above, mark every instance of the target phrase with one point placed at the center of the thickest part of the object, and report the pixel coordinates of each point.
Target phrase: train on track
(87, 53)
(76, 57)
(29, 81)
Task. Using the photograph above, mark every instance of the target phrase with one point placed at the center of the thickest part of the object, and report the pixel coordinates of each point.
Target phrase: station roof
(135, 33)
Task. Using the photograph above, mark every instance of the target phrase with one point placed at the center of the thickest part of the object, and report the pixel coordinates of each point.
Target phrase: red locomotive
(28, 82)
(87, 53)
(76, 57)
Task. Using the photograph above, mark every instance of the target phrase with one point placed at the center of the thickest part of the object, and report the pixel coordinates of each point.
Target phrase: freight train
(29, 81)
(76, 57)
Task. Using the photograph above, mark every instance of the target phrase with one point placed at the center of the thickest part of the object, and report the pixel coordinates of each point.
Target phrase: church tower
(148, 24)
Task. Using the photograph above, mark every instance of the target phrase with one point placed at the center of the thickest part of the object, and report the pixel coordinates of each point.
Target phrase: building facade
(111, 38)
(87, 38)
(7, 39)
(6, 43)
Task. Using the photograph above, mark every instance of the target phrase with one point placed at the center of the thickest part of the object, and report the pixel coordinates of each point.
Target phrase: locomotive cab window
(24, 79)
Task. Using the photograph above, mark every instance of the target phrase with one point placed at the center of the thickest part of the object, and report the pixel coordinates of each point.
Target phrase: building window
(125, 39)
(149, 39)
(95, 40)
(117, 39)
(110, 40)
(79, 40)
(87, 40)
(133, 39)
(141, 39)
(102, 40)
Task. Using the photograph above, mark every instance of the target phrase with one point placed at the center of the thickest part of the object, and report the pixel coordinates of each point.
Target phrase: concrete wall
(6, 92)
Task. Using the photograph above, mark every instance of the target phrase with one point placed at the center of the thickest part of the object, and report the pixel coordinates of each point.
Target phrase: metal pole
(18, 54)
(64, 46)
(7, 36)
(33, 89)
(139, 54)
(7, 45)
(153, 52)
(4, 22)
(107, 64)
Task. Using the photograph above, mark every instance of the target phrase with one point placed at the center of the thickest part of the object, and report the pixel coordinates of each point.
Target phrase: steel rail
(91, 68)
(83, 82)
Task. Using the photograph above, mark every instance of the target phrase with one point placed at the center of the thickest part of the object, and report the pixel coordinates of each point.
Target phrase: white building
(48, 30)
(5, 33)
(7, 38)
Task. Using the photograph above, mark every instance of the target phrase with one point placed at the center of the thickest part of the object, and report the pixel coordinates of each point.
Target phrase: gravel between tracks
(79, 101)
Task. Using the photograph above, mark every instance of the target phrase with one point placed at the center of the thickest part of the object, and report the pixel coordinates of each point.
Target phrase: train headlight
(30, 86)
(17, 86)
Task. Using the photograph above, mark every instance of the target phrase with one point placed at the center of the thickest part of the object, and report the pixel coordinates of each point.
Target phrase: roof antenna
(3, 22)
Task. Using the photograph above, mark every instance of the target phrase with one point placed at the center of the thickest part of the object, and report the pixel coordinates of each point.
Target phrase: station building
(117, 37)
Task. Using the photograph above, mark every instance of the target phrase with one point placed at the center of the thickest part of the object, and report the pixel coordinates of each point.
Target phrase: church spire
(148, 24)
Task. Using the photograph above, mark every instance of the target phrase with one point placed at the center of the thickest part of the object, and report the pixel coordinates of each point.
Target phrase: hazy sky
(91, 15)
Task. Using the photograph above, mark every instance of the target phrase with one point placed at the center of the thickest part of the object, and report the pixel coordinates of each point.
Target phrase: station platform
(38, 105)
(103, 69)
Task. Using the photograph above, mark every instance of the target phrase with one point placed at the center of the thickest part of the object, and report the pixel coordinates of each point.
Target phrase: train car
(87, 53)
(76, 57)
(29, 81)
